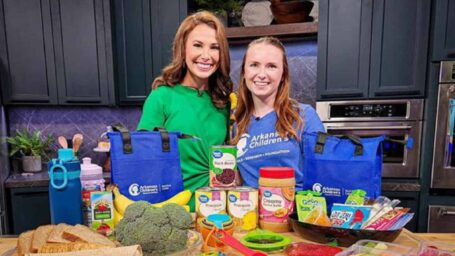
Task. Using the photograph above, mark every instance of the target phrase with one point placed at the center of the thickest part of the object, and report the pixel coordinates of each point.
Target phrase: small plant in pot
(31, 147)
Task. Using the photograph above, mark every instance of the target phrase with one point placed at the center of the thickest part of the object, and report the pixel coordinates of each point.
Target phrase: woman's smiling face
(263, 71)
(202, 55)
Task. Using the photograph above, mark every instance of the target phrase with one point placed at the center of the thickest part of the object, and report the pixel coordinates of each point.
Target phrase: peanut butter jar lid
(276, 172)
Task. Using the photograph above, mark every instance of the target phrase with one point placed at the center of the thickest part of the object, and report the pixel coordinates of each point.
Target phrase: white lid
(87, 168)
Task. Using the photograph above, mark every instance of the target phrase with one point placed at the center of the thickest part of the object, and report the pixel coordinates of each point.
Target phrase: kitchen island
(8, 243)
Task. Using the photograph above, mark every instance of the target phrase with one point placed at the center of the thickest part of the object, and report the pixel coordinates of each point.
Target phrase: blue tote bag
(334, 166)
(145, 165)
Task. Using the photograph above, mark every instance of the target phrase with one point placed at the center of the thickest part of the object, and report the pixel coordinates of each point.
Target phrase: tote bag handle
(322, 138)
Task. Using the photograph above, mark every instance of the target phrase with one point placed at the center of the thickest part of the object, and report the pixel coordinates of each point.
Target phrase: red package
(305, 249)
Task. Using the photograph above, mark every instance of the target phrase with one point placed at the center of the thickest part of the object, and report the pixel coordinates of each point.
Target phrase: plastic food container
(428, 248)
(372, 247)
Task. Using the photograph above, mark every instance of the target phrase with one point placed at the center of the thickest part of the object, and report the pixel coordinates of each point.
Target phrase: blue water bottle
(65, 188)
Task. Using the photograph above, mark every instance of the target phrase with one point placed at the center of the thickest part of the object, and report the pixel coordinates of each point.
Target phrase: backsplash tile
(91, 122)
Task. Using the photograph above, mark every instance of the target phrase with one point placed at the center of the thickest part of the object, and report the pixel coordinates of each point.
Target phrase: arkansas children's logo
(134, 189)
(242, 146)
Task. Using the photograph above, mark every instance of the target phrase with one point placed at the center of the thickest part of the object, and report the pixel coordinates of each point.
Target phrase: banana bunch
(121, 202)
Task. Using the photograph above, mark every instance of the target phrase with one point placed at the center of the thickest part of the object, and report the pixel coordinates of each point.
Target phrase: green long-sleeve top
(184, 109)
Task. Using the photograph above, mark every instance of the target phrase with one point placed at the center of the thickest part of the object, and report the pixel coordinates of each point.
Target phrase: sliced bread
(24, 242)
(81, 233)
(40, 236)
(56, 235)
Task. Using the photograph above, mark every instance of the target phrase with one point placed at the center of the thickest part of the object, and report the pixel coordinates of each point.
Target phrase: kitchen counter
(39, 179)
(7, 244)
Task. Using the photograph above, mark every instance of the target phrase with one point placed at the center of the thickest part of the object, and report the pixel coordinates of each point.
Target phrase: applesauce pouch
(305, 202)
(102, 212)
(357, 197)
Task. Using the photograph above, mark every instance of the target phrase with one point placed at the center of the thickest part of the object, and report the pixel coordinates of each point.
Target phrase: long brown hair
(287, 109)
(220, 84)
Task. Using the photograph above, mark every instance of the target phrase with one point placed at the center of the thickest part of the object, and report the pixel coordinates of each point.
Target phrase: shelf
(279, 30)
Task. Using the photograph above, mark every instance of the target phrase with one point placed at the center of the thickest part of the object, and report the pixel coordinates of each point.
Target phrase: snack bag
(306, 201)
(388, 220)
(349, 216)
(357, 197)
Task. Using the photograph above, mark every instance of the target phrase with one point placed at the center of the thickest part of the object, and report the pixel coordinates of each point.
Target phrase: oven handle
(446, 212)
(399, 127)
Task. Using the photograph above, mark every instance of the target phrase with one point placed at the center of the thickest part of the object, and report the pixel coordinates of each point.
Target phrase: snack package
(349, 216)
(305, 202)
(381, 206)
(387, 220)
(357, 197)
(102, 212)
(317, 216)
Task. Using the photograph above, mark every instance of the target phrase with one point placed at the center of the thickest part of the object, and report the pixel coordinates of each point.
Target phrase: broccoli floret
(178, 216)
(136, 210)
(159, 231)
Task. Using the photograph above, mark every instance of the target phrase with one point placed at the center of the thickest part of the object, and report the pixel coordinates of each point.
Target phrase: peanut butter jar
(276, 198)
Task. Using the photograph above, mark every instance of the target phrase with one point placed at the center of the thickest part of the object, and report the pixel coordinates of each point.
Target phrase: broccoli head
(159, 231)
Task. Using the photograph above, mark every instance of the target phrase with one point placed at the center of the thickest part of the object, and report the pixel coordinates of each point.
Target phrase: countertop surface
(7, 244)
(41, 179)
(38, 179)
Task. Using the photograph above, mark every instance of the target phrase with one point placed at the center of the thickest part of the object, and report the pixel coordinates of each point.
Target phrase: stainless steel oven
(443, 171)
(399, 119)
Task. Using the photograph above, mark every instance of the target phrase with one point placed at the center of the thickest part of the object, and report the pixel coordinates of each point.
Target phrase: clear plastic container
(371, 248)
(428, 248)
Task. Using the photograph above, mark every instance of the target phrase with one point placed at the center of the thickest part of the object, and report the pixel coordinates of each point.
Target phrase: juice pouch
(357, 197)
(306, 201)
(349, 216)
(102, 212)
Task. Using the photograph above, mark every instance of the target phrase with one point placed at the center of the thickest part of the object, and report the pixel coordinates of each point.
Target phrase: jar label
(275, 204)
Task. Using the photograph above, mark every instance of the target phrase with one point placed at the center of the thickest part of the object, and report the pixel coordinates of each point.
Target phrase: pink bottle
(91, 181)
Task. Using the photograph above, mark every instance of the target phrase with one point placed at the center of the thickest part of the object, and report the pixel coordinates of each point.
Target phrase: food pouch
(305, 202)
(357, 197)
(102, 212)
(349, 216)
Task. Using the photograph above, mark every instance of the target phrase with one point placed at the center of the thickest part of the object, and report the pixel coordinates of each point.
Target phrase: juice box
(102, 212)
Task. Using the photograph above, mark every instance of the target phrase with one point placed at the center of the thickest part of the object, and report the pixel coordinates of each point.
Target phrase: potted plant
(222, 8)
(31, 148)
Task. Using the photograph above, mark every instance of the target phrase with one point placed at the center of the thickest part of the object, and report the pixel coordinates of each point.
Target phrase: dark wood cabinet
(372, 49)
(56, 52)
(344, 37)
(29, 208)
(144, 32)
(444, 30)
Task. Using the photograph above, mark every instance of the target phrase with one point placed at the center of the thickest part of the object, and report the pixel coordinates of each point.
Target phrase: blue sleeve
(311, 120)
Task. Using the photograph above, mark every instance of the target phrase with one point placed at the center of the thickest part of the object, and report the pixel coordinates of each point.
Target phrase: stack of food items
(67, 238)
(380, 214)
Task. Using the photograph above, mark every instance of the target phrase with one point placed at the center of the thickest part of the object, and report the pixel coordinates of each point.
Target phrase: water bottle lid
(66, 154)
(88, 169)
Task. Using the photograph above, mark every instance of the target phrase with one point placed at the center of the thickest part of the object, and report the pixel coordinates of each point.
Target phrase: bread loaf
(24, 242)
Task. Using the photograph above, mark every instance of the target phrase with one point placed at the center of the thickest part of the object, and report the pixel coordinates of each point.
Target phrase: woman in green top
(192, 94)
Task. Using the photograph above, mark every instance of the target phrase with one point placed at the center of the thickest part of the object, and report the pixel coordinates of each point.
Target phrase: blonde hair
(220, 84)
(287, 109)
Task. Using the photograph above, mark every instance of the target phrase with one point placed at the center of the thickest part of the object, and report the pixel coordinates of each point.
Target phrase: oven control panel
(369, 110)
